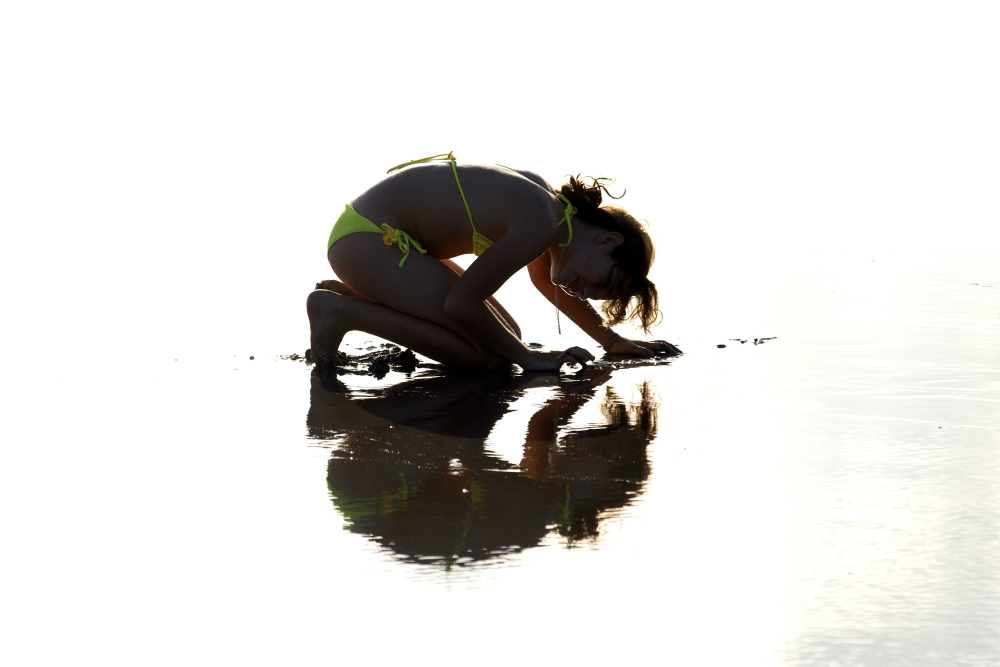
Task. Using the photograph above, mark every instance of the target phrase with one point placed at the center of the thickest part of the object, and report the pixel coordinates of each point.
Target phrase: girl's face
(586, 268)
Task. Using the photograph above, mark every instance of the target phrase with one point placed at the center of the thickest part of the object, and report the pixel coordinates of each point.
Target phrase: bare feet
(326, 325)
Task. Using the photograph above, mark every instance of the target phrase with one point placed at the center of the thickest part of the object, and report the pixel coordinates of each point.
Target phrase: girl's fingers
(575, 355)
(671, 348)
(663, 346)
(641, 347)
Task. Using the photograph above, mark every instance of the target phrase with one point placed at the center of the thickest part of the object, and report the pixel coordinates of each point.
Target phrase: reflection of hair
(617, 413)
(631, 427)
(634, 256)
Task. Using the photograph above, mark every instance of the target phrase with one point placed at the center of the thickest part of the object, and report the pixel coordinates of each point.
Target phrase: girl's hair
(634, 256)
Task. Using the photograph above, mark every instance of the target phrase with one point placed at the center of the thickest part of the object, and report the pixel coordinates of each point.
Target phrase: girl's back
(424, 201)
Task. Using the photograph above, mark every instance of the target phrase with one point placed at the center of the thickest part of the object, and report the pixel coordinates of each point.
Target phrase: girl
(392, 248)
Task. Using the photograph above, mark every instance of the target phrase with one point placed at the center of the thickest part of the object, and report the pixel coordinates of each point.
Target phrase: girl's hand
(575, 355)
(642, 348)
(553, 361)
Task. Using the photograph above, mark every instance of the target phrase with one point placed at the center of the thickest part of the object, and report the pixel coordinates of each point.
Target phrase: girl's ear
(612, 239)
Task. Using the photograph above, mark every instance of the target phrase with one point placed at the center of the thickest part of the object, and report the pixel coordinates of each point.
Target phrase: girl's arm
(467, 300)
(587, 318)
(505, 318)
(578, 310)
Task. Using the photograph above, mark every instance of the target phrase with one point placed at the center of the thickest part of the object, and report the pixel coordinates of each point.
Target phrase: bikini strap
(568, 213)
(450, 158)
(567, 216)
(442, 156)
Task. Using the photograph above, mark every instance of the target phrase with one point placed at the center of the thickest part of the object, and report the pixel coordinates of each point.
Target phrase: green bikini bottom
(350, 221)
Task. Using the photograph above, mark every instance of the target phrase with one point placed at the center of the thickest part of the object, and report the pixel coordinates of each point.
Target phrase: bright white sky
(181, 162)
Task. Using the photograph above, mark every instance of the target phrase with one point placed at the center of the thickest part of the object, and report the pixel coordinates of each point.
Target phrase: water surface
(828, 496)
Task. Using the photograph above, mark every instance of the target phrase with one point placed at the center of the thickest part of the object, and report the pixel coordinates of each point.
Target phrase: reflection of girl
(597, 468)
(410, 468)
(413, 295)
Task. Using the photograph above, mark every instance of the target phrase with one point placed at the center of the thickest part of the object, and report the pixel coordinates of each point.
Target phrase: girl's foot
(326, 325)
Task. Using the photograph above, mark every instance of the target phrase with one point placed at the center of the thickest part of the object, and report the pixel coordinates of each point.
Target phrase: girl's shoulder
(529, 204)
(530, 175)
(505, 189)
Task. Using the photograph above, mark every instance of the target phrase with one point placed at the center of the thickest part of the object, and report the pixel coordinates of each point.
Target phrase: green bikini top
(480, 243)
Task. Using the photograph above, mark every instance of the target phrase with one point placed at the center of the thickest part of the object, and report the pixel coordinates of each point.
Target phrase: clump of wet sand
(376, 362)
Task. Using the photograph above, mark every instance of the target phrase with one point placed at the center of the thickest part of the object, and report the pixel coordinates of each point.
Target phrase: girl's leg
(340, 288)
(406, 304)
(332, 315)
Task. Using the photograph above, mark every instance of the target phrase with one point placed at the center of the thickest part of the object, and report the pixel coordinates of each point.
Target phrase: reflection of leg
(456, 403)
(332, 315)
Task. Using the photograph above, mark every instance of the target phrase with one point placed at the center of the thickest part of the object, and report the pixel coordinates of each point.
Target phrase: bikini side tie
(401, 239)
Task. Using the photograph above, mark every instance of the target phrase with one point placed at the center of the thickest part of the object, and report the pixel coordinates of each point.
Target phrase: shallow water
(828, 496)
